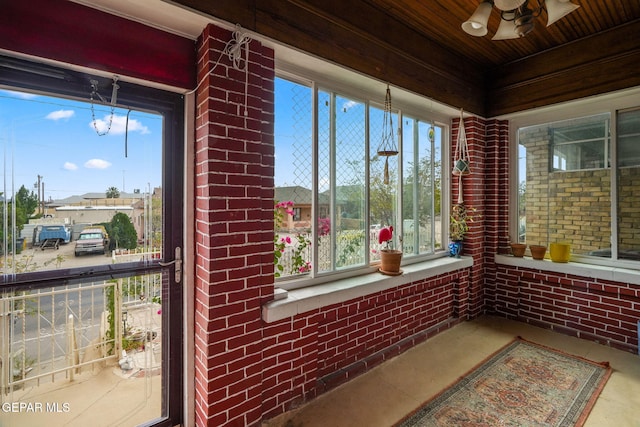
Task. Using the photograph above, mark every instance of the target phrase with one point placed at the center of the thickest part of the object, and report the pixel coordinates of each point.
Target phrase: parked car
(91, 241)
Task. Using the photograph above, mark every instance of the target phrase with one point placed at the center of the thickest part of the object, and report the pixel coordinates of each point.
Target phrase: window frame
(366, 97)
(608, 103)
(53, 80)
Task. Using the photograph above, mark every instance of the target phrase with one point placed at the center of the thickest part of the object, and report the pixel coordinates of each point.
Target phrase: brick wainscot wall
(595, 309)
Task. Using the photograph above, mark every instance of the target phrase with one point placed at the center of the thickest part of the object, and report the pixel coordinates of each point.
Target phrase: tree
(382, 196)
(122, 232)
(23, 205)
(113, 193)
(423, 191)
(27, 201)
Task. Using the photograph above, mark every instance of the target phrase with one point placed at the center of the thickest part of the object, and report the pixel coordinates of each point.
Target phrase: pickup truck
(92, 240)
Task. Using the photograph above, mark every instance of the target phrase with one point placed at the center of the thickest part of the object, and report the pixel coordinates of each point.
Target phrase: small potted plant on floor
(390, 258)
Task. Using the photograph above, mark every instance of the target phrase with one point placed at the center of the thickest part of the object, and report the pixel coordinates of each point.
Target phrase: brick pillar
(474, 199)
(234, 229)
(497, 183)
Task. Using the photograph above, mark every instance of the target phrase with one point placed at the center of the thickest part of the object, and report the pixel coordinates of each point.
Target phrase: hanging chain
(94, 92)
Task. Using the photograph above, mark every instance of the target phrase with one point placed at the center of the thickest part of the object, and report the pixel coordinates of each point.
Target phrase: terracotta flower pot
(517, 249)
(537, 251)
(390, 260)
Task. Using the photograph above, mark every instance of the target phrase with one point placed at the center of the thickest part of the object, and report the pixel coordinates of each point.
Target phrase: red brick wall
(485, 193)
(596, 310)
(496, 204)
(313, 352)
(234, 230)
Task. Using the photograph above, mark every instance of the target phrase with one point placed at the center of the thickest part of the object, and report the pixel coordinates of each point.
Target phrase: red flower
(385, 234)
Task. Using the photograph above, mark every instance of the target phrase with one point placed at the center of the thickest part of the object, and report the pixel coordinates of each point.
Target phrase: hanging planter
(387, 147)
(461, 162)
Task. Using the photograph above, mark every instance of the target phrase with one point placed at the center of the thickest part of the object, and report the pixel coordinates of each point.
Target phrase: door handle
(178, 264)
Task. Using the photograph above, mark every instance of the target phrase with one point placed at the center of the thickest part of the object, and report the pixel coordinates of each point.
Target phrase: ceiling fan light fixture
(558, 9)
(524, 23)
(509, 4)
(476, 25)
(506, 30)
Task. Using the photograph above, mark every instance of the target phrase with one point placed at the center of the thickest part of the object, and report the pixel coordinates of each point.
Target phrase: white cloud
(70, 166)
(60, 114)
(21, 95)
(118, 125)
(347, 105)
(97, 164)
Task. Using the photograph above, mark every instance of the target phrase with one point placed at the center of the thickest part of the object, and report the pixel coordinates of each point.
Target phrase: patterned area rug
(523, 384)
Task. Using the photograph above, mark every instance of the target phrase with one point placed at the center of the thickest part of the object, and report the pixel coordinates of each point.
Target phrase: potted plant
(458, 227)
(390, 258)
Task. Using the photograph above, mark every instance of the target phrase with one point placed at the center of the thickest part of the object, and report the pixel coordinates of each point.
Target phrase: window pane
(63, 349)
(421, 188)
(410, 187)
(326, 176)
(71, 166)
(572, 205)
(348, 192)
(383, 197)
(82, 195)
(629, 185)
(293, 169)
(580, 144)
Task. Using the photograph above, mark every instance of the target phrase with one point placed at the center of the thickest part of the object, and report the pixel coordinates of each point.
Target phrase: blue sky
(56, 139)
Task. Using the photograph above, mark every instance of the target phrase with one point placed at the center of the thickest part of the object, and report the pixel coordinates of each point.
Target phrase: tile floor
(384, 395)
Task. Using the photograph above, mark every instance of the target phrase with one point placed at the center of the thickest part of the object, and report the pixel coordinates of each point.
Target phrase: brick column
(234, 229)
(474, 199)
(497, 184)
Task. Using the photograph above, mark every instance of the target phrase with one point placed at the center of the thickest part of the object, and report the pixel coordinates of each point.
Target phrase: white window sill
(592, 271)
(301, 300)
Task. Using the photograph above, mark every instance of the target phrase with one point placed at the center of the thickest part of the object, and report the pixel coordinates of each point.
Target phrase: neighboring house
(301, 198)
(95, 208)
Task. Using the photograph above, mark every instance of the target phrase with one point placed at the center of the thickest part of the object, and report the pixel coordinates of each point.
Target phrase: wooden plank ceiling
(419, 45)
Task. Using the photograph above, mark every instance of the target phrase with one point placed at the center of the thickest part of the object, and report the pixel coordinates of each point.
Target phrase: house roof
(297, 194)
(304, 196)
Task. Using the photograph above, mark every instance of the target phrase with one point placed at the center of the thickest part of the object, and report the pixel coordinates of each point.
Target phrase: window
(580, 144)
(331, 195)
(89, 213)
(628, 161)
(567, 185)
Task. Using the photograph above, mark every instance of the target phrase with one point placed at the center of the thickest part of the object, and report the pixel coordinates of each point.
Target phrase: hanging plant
(387, 147)
(461, 161)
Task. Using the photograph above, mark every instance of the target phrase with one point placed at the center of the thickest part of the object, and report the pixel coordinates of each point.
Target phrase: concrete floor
(387, 393)
(102, 398)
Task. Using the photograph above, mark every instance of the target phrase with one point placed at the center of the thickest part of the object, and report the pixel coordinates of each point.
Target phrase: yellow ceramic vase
(560, 252)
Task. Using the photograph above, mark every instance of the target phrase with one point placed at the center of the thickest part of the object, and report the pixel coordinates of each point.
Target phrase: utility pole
(40, 196)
